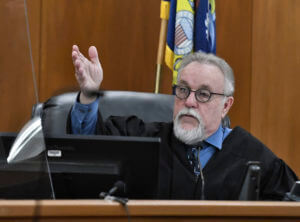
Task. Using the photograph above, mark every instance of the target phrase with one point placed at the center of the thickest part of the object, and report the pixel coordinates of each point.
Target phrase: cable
(201, 174)
(30, 53)
(118, 186)
(50, 177)
(122, 201)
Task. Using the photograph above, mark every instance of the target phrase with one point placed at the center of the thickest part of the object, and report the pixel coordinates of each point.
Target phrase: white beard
(191, 136)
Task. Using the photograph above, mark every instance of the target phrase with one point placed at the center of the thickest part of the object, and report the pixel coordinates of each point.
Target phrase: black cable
(118, 186)
(50, 177)
(123, 201)
(120, 200)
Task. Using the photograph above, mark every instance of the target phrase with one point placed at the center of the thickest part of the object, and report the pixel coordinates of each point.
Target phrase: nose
(191, 101)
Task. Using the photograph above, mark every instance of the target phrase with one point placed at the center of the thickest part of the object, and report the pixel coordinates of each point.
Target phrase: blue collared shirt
(213, 144)
(84, 117)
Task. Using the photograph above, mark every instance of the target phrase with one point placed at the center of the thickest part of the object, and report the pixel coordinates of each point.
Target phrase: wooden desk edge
(48, 208)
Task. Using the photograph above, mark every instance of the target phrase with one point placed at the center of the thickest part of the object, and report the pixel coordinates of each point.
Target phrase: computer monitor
(25, 180)
(83, 166)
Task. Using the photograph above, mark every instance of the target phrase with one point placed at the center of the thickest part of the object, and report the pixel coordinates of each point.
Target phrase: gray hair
(211, 59)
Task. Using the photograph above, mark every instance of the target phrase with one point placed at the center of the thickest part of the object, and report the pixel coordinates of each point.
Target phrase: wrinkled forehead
(197, 75)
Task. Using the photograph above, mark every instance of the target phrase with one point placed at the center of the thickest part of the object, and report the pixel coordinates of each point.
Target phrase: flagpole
(164, 11)
(160, 53)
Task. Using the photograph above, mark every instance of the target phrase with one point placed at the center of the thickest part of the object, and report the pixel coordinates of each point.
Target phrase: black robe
(223, 174)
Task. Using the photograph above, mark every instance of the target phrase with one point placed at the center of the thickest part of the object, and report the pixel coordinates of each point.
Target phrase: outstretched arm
(89, 75)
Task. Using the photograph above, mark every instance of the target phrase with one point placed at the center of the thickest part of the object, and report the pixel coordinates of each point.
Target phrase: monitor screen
(24, 180)
(83, 166)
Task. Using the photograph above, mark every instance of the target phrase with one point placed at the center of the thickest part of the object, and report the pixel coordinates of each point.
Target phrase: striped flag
(189, 30)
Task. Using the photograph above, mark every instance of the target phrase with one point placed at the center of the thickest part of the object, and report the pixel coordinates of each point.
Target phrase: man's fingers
(77, 64)
(75, 48)
(79, 73)
(87, 69)
(74, 56)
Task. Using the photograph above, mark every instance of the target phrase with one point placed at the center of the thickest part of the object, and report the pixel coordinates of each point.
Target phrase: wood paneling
(125, 33)
(16, 82)
(275, 94)
(234, 30)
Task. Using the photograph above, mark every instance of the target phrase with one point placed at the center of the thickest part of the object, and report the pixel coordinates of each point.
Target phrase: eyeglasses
(201, 95)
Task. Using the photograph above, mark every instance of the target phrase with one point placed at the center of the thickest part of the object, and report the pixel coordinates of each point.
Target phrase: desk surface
(156, 210)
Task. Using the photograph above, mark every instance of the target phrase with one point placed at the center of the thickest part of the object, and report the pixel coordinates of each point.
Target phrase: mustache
(190, 112)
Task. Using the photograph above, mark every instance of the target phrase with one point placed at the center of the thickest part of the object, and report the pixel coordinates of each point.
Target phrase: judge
(200, 158)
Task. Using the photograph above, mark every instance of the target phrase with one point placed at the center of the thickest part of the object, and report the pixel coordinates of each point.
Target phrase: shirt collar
(216, 139)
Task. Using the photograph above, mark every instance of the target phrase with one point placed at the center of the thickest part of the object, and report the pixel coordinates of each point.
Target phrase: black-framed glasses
(201, 95)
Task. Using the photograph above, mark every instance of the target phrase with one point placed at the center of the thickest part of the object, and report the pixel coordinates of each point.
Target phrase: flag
(205, 26)
(189, 30)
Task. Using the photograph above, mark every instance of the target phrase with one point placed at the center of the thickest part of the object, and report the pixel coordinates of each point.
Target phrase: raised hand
(88, 72)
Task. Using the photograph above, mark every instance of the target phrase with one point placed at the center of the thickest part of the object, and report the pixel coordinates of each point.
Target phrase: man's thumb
(93, 54)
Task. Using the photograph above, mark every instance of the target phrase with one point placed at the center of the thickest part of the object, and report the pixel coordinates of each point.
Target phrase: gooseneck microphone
(119, 187)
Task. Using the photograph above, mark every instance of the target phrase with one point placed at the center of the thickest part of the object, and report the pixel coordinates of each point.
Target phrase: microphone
(119, 186)
(251, 185)
(294, 194)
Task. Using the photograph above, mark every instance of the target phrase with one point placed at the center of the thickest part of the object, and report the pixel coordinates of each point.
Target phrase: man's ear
(227, 105)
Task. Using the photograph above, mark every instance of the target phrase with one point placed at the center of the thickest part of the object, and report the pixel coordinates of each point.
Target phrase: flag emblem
(184, 32)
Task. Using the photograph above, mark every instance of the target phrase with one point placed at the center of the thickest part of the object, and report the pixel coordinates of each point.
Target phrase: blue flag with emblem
(191, 28)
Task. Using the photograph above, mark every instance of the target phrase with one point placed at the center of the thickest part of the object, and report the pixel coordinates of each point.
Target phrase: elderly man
(199, 159)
